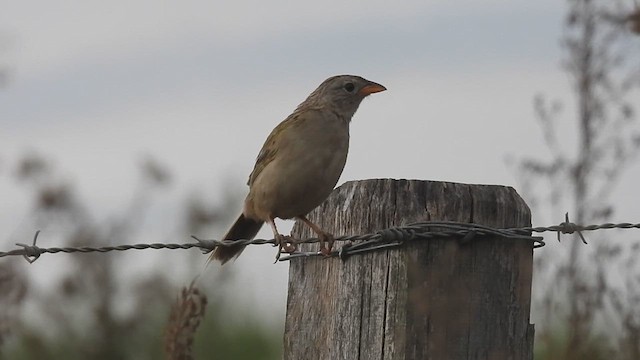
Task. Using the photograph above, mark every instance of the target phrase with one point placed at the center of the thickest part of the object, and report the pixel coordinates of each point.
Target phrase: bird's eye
(349, 87)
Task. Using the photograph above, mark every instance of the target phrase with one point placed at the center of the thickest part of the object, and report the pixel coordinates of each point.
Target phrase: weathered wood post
(435, 299)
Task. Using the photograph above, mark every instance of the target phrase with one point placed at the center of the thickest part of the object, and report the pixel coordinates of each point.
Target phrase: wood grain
(435, 299)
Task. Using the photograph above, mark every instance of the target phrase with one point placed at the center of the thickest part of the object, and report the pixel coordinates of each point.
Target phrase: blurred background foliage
(96, 311)
(588, 297)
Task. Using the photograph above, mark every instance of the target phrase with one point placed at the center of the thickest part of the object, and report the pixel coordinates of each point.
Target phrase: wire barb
(390, 238)
(31, 252)
(567, 227)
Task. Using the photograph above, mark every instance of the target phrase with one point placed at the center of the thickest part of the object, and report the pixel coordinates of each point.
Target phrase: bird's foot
(286, 244)
(326, 238)
(289, 245)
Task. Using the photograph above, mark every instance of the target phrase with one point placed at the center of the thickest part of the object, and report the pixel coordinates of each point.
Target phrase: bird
(300, 164)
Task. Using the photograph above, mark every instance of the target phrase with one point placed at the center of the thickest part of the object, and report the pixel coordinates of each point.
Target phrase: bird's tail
(243, 228)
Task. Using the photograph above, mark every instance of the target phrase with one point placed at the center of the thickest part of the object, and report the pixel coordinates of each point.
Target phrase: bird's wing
(270, 148)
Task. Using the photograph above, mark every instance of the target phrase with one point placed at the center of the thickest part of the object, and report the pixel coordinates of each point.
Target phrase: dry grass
(186, 315)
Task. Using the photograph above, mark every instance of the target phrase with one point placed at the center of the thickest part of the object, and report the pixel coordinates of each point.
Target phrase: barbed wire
(354, 244)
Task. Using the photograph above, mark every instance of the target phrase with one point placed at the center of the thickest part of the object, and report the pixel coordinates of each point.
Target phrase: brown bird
(300, 163)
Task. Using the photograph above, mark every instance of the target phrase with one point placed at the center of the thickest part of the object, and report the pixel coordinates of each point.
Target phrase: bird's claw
(328, 239)
(285, 244)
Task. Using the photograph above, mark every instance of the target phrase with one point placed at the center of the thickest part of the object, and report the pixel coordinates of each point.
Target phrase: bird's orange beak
(371, 88)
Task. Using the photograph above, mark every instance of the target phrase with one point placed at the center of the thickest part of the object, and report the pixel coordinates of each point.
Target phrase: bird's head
(343, 93)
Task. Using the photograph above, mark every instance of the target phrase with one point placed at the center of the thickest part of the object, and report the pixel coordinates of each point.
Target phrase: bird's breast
(306, 168)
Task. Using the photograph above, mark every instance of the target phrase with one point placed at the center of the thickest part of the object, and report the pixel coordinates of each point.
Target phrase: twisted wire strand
(353, 244)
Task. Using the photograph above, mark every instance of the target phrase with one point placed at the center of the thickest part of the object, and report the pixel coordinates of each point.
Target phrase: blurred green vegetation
(214, 340)
(556, 346)
(79, 315)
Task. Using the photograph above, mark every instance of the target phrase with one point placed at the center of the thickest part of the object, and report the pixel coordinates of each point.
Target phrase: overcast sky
(96, 86)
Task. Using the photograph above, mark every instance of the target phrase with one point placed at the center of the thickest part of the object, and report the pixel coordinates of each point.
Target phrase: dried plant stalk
(186, 314)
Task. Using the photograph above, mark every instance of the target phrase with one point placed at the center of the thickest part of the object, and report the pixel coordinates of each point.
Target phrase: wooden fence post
(434, 299)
